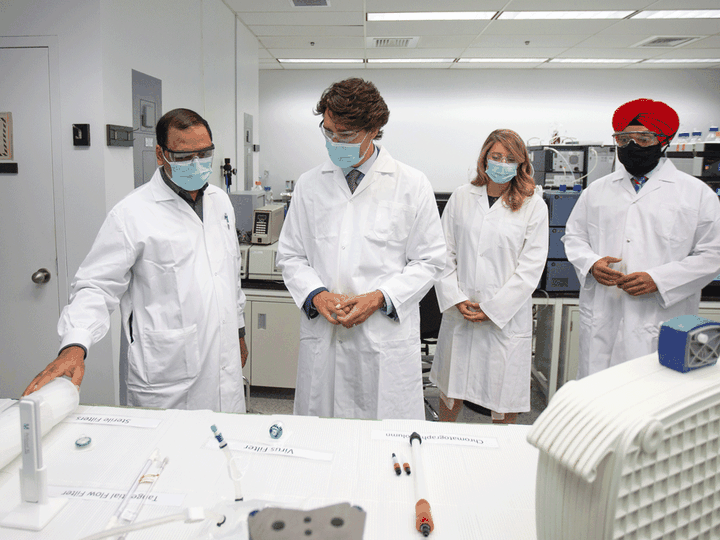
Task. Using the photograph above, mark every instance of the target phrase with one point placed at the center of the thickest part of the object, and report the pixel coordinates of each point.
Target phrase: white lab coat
(495, 257)
(669, 229)
(179, 277)
(387, 235)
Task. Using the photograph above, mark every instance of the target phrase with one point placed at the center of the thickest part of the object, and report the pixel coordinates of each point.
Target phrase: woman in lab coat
(496, 229)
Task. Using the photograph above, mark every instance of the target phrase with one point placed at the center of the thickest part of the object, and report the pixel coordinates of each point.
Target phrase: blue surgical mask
(501, 173)
(344, 154)
(191, 175)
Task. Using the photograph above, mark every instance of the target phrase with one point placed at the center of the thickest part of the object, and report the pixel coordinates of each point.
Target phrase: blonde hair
(523, 185)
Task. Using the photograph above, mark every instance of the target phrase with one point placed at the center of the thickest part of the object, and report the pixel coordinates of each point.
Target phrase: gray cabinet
(272, 323)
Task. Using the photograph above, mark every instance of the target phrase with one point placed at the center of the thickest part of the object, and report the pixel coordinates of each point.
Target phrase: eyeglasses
(187, 156)
(642, 138)
(342, 136)
(501, 158)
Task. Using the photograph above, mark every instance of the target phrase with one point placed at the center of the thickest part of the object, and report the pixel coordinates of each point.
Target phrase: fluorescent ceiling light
(680, 14)
(683, 61)
(320, 60)
(595, 60)
(409, 60)
(563, 15)
(503, 60)
(433, 16)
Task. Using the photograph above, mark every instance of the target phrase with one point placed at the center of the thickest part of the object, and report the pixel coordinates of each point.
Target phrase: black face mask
(639, 160)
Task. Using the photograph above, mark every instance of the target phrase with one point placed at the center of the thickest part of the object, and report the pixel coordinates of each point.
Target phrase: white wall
(189, 44)
(247, 99)
(440, 118)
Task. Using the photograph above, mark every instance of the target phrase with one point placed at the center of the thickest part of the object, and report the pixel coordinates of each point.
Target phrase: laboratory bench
(556, 339)
(272, 323)
(480, 477)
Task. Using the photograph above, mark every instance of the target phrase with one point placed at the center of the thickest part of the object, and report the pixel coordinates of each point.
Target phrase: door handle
(41, 276)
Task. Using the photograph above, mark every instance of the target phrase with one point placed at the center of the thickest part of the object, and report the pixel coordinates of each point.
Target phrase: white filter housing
(632, 452)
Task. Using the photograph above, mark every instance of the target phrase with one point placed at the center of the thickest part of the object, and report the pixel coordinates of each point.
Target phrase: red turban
(657, 116)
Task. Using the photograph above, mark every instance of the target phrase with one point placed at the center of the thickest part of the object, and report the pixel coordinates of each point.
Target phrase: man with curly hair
(361, 245)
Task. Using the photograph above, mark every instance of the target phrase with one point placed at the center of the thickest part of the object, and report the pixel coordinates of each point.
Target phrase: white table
(476, 492)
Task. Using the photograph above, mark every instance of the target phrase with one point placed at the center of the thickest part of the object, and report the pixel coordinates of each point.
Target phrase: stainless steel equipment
(245, 203)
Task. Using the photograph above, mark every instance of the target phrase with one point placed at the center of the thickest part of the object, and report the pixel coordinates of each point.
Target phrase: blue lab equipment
(689, 342)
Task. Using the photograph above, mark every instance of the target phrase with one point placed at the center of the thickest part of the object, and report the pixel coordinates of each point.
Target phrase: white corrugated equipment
(632, 452)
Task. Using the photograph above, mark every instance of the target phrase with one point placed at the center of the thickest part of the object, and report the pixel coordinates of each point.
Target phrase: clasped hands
(635, 284)
(471, 311)
(347, 311)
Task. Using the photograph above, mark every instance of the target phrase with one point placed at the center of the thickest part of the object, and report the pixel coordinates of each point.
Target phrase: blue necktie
(353, 179)
(638, 182)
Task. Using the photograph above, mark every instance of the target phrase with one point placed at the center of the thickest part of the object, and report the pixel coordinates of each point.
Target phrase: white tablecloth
(475, 491)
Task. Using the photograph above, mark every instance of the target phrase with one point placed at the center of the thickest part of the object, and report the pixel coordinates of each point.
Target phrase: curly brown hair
(523, 185)
(355, 104)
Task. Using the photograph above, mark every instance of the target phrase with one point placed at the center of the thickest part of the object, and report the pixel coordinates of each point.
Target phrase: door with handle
(29, 288)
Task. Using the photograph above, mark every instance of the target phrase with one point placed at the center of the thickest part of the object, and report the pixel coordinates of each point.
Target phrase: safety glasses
(179, 157)
(342, 136)
(642, 138)
(501, 158)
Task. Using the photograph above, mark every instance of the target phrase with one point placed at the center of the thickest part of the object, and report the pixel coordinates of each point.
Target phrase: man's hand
(243, 351)
(71, 362)
(329, 305)
(358, 308)
(471, 311)
(604, 274)
(637, 283)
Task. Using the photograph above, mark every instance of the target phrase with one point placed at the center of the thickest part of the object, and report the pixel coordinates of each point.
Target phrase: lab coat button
(343, 247)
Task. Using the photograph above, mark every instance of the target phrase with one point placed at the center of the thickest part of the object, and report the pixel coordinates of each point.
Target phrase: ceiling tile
(686, 4)
(401, 6)
(584, 28)
(255, 6)
(434, 42)
(317, 53)
(320, 43)
(665, 27)
(311, 31)
(414, 53)
(712, 42)
(610, 41)
(515, 40)
(593, 52)
(506, 52)
(688, 53)
(310, 19)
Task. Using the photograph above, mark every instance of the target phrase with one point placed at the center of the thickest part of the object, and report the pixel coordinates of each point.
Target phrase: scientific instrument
(423, 516)
(267, 223)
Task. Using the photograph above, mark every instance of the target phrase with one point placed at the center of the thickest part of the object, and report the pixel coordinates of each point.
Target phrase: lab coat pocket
(393, 221)
(676, 222)
(171, 355)
(506, 236)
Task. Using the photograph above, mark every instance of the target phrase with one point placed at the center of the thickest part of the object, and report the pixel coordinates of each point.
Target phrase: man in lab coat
(168, 255)
(644, 241)
(360, 247)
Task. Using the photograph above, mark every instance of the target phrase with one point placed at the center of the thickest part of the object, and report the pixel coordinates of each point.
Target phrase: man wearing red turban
(644, 241)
